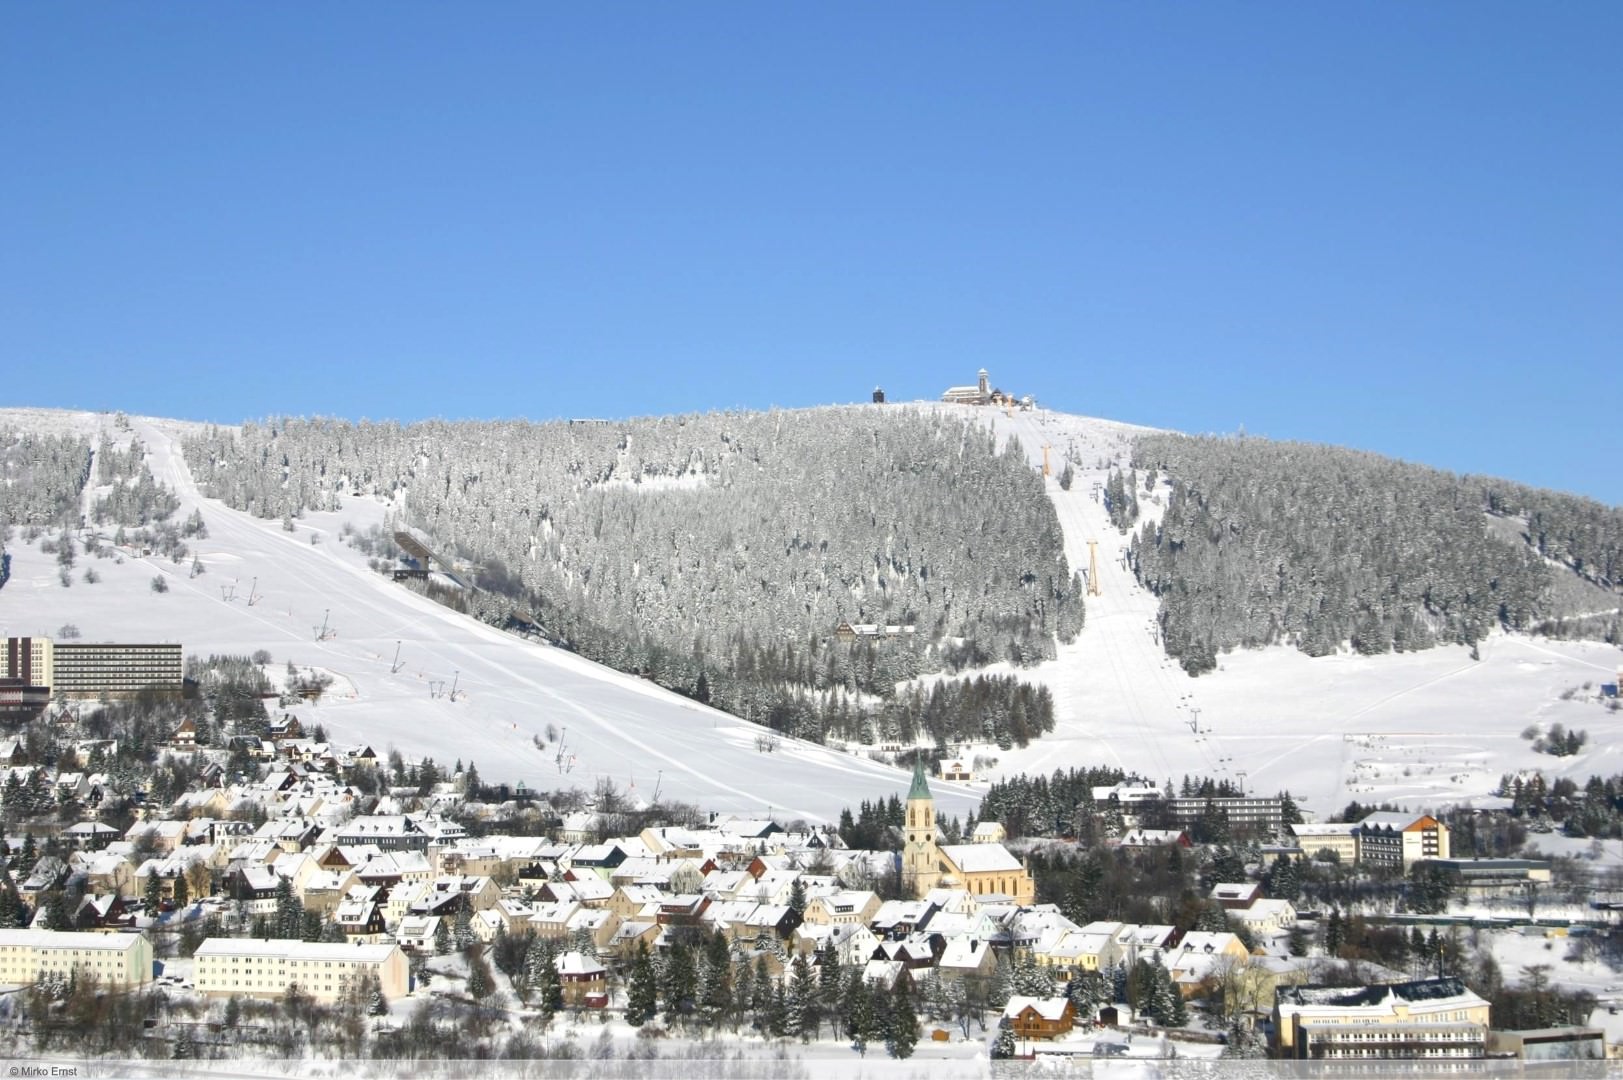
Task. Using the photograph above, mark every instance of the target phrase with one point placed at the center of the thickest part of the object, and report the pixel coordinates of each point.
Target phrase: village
(289, 869)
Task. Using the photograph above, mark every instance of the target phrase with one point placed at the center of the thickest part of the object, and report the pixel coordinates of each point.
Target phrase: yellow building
(979, 869)
(1342, 839)
(921, 862)
(1429, 1018)
(116, 960)
(234, 967)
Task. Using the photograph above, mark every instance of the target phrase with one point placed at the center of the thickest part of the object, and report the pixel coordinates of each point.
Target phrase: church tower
(921, 861)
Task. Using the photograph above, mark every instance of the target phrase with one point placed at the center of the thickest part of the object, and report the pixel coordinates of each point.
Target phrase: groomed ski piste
(609, 726)
(1421, 730)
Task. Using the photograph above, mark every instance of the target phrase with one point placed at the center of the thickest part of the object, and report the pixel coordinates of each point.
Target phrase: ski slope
(1418, 729)
(610, 726)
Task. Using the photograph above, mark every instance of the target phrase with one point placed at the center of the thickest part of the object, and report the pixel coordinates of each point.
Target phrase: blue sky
(1391, 226)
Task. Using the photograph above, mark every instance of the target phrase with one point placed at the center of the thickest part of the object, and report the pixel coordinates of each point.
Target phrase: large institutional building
(984, 869)
(226, 967)
(1430, 1018)
(122, 961)
(75, 669)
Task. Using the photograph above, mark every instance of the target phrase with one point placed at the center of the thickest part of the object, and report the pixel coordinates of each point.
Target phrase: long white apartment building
(115, 960)
(247, 967)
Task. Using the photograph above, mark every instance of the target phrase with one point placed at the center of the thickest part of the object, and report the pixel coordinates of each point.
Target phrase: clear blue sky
(1391, 226)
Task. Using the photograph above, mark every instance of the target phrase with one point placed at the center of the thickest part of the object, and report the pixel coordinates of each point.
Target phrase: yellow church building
(984, 870)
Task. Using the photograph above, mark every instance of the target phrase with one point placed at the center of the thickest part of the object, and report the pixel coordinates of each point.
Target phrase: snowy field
(1419, 729)
(611, 726)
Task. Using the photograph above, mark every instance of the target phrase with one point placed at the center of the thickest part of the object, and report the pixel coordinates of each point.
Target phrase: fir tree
(642, 995)
(479, 979)
(828, 977)
(904, 1027)
(803, 993)
(797, 896)
(715, 979)
(777, 1014)
(860, 1019)
(1335, 933)
(442, 938)
(681, 980)
(548, 985)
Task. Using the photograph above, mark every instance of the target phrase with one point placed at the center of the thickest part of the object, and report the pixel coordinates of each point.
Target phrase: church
(985, 870)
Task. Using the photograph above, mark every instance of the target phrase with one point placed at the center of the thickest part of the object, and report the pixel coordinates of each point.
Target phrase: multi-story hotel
(117, 670)
(115, 960)
(1431, 1018)
(28, 659)
(77, 669)
(1398, 840)
(233, 967)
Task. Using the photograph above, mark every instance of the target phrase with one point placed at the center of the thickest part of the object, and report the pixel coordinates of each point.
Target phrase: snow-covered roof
(578, 964)
(963, 951)
(294, 950)
(1338, 828)
(981, 858)
(1051, 1009)
(64, 939)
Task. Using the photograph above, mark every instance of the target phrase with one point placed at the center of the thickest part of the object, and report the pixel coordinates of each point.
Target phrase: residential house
(585, 980)
(416, 932)
(966, 957)
(847, 906)
(1039, 1018)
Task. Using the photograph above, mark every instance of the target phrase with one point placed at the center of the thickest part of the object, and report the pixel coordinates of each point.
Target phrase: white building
(117, 960)
(1399, 840)
(232, 967)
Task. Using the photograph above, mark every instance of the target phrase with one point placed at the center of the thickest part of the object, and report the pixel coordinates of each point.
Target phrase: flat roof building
(117, 670)
(237, 967)
(121, 960)
(1428, 1018)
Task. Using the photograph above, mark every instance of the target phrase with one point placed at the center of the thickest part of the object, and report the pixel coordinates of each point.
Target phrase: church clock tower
(921, 861)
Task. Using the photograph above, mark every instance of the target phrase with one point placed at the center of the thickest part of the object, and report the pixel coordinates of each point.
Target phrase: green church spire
(920, 789)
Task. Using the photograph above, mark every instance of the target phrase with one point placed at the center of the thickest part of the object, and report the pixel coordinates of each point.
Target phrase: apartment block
(123, 961)
(236, 967)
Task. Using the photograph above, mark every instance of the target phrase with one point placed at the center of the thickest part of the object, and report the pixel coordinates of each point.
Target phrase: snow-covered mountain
(1422, 727)
(607, 725)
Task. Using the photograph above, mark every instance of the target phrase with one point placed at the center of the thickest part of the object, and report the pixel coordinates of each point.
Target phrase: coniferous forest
(1316, 546)
(717, 553)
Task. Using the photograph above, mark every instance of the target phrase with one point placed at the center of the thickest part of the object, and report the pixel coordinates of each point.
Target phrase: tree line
(1265, 542)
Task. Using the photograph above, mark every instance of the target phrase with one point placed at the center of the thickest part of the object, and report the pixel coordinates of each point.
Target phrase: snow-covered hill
(610, 725)
(1417, 728)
